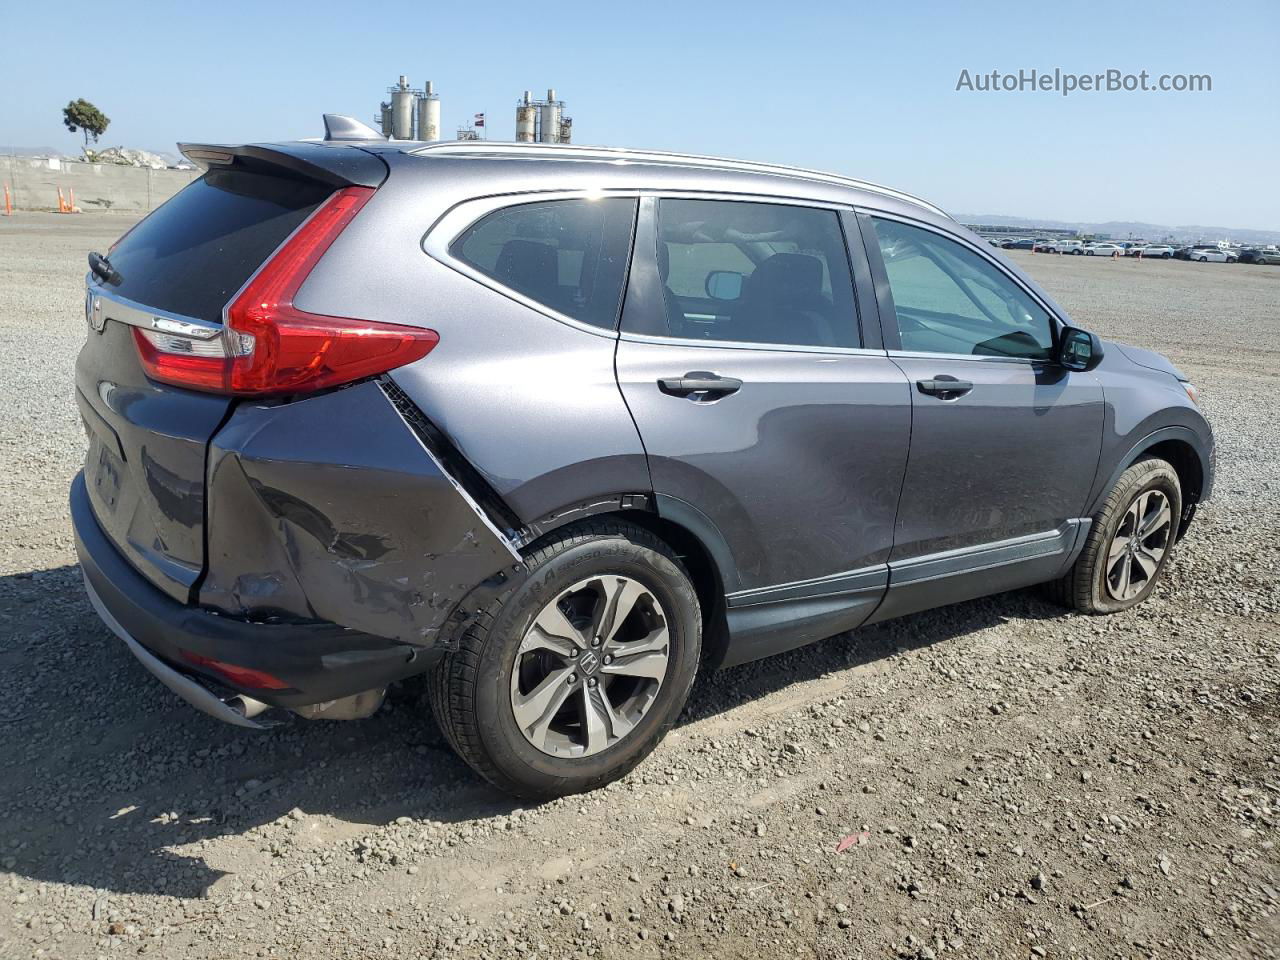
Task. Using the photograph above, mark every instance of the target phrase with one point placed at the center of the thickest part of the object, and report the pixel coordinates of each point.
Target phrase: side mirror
(1079, 349)
(724, 285)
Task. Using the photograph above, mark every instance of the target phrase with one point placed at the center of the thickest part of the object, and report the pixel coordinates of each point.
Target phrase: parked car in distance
(1045, 246)
(1102, 249)
(1069, 246)
(1026, 243)
(1188, 252)
(1260, 256)
(1213, 255)
(1157, 250)
(408, 423)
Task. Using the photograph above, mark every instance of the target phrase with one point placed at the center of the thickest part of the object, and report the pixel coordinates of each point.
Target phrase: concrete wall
(34, 181)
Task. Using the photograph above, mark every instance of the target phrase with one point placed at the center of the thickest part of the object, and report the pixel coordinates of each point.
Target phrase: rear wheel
(1129, 544)
(571, 678)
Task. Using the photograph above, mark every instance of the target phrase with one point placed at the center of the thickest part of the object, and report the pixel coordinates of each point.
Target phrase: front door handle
(699, 385)
(945, 387)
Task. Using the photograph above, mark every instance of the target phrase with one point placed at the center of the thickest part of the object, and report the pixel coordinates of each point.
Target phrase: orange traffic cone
(8, 203)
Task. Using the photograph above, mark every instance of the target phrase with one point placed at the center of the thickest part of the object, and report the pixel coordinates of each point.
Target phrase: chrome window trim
(440, 236)
(123, 310)
(926, 355)
(745, 345)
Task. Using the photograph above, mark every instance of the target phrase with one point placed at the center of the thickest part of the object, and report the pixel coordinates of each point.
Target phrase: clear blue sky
(862, 89)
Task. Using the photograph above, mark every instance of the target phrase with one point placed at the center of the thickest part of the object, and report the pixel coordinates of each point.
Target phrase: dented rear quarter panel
(331, 509)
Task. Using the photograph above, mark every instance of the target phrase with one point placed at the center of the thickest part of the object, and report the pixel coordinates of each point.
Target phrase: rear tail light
(269, 346)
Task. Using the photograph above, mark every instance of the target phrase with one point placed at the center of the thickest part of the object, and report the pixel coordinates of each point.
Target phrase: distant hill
(1122, 229)
(30, 151)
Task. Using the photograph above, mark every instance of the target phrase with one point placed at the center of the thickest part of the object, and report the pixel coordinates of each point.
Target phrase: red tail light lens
(183, 361)
(269, 346)
(237, 675)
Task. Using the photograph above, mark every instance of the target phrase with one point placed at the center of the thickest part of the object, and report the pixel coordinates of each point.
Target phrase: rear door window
(567, 255)
(195, 252)
(755, 273)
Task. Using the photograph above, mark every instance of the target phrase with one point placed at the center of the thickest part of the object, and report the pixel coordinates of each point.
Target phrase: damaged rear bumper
(337, 549)
(318, 661)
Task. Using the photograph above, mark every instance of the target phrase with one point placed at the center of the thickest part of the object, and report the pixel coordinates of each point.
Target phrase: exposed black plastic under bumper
(320, 661)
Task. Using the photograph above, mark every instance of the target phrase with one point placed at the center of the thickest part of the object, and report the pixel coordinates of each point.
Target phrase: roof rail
(562, 151)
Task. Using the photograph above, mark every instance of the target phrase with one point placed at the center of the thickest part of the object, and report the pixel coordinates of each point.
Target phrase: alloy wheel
(1139, 545)
(590, 666)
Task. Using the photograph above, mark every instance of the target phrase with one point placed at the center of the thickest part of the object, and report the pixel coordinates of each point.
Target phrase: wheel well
(1182, 457)
(703, 572)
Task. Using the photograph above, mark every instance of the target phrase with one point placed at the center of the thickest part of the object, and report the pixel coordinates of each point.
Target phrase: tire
(475, 698)
(1165, 256)
(1087, 586)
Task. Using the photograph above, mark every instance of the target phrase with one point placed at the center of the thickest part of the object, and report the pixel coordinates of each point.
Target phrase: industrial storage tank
(429, 114)
(550, 127)
(526, 120)
(566, 129)
(385, 109)
(402, 99)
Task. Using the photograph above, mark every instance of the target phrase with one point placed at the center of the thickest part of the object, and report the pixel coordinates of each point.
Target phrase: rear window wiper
(101, 266)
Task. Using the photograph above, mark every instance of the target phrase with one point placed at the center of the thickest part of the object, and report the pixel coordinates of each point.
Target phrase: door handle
(948, 388)
(699, 382)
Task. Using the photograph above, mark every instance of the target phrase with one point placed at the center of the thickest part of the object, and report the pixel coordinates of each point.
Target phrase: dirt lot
(1017, 781)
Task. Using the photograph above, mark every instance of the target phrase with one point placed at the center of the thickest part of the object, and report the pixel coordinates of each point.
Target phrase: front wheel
(1129, 544)
(572, 677)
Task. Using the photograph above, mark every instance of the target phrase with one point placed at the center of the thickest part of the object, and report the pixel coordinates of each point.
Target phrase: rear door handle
(699, 382)
(948, 388)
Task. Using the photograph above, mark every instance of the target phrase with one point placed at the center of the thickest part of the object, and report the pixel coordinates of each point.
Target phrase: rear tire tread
(453, 680)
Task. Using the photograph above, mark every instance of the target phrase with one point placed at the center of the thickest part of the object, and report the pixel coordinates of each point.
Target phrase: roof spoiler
(331, 165)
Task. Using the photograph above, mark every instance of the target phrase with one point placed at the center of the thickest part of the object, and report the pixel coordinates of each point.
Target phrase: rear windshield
(194, 252)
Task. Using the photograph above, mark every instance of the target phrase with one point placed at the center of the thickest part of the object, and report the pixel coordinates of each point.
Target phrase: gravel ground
(1004, 779)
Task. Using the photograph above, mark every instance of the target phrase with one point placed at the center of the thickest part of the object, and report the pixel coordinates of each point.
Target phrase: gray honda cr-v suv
(562, 426)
